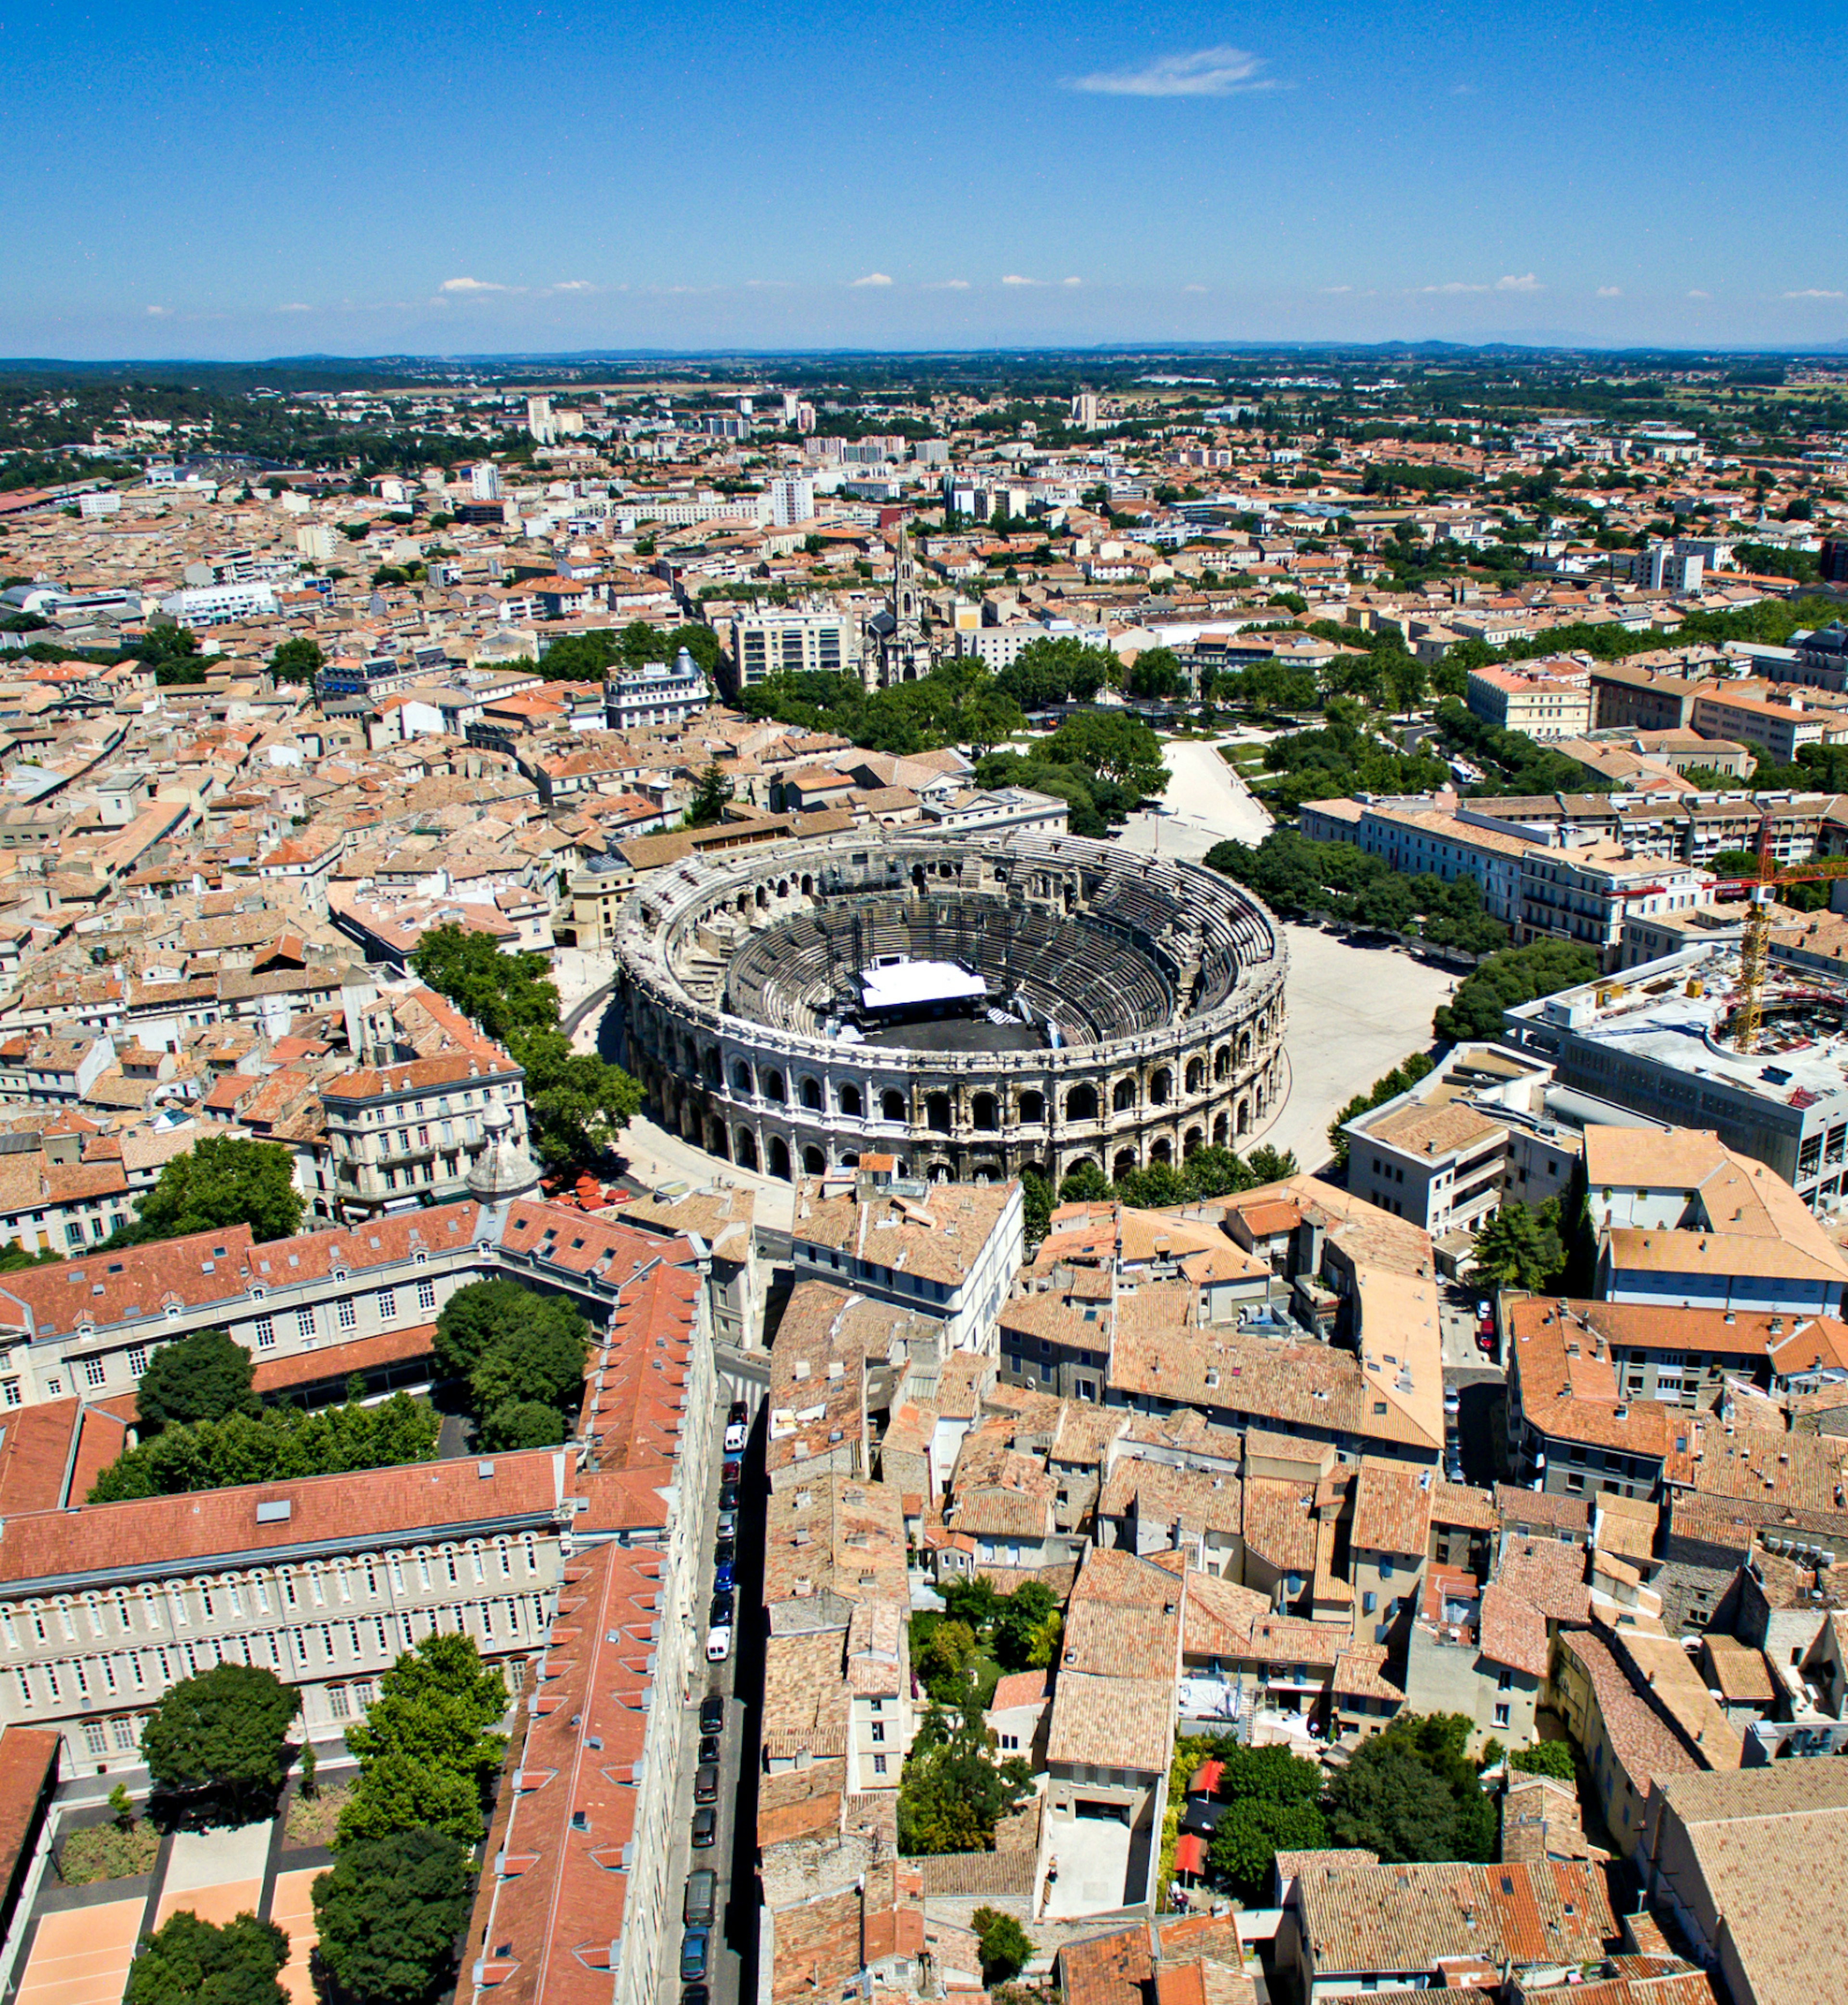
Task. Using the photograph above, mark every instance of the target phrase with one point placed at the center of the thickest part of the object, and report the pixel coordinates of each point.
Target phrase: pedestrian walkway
(218, 1874)
(81, 1957)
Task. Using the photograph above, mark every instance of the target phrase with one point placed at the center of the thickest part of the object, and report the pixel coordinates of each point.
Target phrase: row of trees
(1515, 975)
(1209, 1172)
(221, 1180)
(389, 1913)
(1295, 875)
(576, 1103)
(203, 1428)
(522, 1357)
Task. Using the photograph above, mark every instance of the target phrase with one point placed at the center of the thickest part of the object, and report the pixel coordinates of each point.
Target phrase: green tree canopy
(1006, 1948)
(504, 993)
(297, 660)
(1410, 1793)
(389, 1913)
(274, 1443)
(428, 1744)
(518, 1423)
(225, 1731)
(953, 1793)
(1252, 1831)
(1515, 1247)
(221, 1180)
(187, 1962)
(515, 1347)
(709, 797)
(202, 1376)
(1545, 1757)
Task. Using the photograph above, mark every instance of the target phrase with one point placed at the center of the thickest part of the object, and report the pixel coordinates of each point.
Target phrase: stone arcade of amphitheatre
(975, 1005)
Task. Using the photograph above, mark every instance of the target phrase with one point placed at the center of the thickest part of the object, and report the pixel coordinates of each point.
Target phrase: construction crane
(1755, 945)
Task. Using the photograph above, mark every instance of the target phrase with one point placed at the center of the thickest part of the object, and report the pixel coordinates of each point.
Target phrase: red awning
(1205, 1778)
(1190, 1853)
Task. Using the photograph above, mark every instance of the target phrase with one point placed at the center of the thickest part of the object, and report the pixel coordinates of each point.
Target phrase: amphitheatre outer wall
(1167, 981)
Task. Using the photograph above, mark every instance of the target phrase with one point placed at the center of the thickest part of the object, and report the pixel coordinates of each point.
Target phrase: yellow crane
(1754, 946)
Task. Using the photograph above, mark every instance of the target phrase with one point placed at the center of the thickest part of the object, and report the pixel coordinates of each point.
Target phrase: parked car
(721, 1575)
(1485, 1312)
(724, 1552)
(732, 1469)
(724, 1607)
(1453, 1400)
(728, 1522)
(738, 1411)
(696, 1945)
(718, 1643)
(708, 1748)
(699, 1902)
(734, 1433)
(705, 1785)
(728, 1495)
(705, 1829)
(711, 1714)
(695, 1994)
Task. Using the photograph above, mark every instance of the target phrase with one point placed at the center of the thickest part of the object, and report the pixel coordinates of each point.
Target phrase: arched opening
(891, 1104)
(983, 1111)
(745, 1153)
(1081, 1103)
(1222, 1128)
(936, 1112)
(808, 886)
(782, 887)
(1122, 1162)
(918, 876)
(779, 1157)
(814, 1162)
(715, 1141)
(1222, 1063)
(1194, 1141)
(1161, 1151)
(710, 1067)
(1244, 1047)
(1122, 1096)
(1244, 1116)
(1263, 1029)
(811, 1095)
(1080, 1164)
(741, 1077)
(986, 1173)
(744, 901)
(762, 898)
(851, 1104)
(1162, 1087)
(773, 1087)
(1033, 1109)
(850, 1159)
(1197, 1074)
(940, 1173)
(1034, 1170)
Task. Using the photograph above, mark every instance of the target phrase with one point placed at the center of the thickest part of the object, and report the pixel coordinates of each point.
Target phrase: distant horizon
(1835, 351)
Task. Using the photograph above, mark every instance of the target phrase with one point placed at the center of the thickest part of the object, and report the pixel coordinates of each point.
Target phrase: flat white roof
(906, 985)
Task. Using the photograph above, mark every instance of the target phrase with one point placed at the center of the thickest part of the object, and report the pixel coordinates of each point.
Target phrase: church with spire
(898, 649)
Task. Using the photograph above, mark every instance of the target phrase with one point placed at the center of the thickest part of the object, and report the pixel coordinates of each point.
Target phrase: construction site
(1754, 1046)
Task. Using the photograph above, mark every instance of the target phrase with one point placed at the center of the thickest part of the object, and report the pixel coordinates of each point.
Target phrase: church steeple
(908, 603)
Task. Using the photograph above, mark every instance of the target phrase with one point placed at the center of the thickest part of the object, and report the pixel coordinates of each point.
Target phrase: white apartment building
(767, 641)
(999, 647)
(410, 1131)
(1545, 701)
(792, 500)
(218, 605)
(659, 693)
(1586, 895)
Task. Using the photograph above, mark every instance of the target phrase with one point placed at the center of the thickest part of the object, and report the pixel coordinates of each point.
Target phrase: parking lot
(722, 1789)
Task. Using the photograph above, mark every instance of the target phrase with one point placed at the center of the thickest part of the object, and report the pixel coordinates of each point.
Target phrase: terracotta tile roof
(28, 1768)
(36, 1450)
(189, 1531)
(562, 1884)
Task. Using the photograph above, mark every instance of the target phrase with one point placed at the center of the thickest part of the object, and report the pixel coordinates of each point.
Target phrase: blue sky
(202, 178)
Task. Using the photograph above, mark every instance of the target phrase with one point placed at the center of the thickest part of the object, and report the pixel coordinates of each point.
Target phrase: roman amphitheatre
(974, 1004)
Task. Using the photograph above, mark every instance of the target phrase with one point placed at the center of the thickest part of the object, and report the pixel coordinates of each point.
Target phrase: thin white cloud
(873, 278)
(1014, 279)
(294, 305)
(574, 286)
(1337, 288)
(1463, 90)
(1610, 292)
(1215, 72)
(1455, 286)
(948, 286)
(1813, 292)
(1525, 282)
(1071, 282)
(1193, 289)
(1696, 293)
(159, 313)
(474, 286)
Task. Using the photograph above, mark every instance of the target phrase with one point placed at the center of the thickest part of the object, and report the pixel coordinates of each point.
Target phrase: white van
(718, 1643)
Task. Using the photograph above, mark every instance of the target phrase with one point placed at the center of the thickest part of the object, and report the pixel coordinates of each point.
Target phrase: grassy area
(311, 1819)
(106, 1851)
